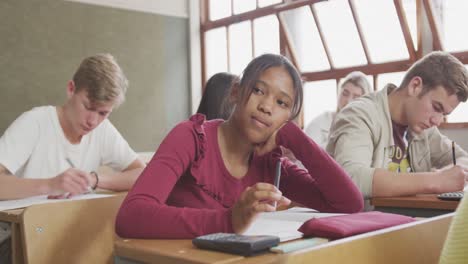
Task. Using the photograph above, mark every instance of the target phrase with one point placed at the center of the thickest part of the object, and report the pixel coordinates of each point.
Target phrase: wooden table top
(427, 201)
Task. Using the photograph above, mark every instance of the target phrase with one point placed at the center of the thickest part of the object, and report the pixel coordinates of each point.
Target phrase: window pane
(215, 51)
(460, 114)
(266, 35)
(241, 6)
(262, 3)
(240, 46)
(306, 40)
(386, 78)
(409, 6)
(220, 9)
(340, 30)
(319, 96)
(382, 30)
(455, 18)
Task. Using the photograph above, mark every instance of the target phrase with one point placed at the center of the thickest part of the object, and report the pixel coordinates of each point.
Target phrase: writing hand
(452, 179)
(69, 183)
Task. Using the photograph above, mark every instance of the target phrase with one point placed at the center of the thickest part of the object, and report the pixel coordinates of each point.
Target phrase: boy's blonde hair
(102, 78)
(440, 69)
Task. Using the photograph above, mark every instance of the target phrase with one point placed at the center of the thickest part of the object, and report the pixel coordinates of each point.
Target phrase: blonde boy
(56, 150)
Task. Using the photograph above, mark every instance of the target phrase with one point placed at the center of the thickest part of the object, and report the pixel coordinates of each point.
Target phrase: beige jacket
(361, 136)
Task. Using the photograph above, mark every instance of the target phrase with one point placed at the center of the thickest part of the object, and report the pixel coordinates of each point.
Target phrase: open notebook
(283, 224)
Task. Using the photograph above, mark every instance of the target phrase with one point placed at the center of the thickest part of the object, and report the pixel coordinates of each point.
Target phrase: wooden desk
(417, 242)
(80, 231)
(423, 205)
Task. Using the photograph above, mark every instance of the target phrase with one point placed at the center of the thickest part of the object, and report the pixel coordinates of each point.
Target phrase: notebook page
(42, 199)
(283, 224)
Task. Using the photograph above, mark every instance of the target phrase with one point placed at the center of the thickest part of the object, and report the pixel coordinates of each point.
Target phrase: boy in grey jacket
(388, 141)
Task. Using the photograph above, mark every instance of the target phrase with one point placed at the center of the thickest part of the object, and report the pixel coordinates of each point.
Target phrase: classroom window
(386, 78)
(305, 39)
(220, 9)
(216, 51)
(460, 114)
(326, 40)
(241, 6)
(319, 96)
(340, 33)
(240, 46)
(263, 3)
(266, 35)
(410, 8)
(455, 14)
(381, 30)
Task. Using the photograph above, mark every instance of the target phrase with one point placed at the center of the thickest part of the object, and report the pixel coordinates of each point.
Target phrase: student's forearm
(119, 181)
(12, 187)
(386, 183)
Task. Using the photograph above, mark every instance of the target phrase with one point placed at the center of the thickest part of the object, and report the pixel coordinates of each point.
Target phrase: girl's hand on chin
(267, 146)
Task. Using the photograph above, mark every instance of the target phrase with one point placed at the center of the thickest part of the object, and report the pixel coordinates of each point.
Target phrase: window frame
(425, 11)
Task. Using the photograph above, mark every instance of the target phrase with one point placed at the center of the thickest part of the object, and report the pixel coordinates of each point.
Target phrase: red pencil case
(351, 224)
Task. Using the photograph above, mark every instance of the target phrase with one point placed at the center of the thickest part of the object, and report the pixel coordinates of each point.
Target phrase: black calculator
(236, 244)
(452, 196)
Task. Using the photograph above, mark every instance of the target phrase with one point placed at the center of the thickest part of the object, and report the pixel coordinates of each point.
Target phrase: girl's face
(269, 106)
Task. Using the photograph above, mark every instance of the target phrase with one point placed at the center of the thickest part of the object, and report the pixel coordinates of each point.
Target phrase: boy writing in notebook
(38, 149)
(388, 141)
(35, 148)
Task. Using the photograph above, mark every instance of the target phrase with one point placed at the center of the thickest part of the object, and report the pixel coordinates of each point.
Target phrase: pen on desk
(277, 177)
(453, 153)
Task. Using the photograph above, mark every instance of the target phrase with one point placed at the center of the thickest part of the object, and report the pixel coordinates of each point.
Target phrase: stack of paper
(42, 199)
(283, 224)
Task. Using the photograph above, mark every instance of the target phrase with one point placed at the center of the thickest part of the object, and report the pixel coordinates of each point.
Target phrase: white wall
(459, 135)
(178, 8)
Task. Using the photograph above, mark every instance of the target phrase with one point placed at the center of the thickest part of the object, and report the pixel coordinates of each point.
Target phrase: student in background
(56, 150)
(213, 103)
(455, 247)
(388, 141)
(354, 85)
(216, 176)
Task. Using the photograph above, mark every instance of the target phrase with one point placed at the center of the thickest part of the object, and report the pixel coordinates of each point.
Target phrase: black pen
(90, 190)
(453, 153)
(277, 176)
(70, 163)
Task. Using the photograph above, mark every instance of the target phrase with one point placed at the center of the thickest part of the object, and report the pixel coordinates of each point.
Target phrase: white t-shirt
(34, 146)
(319, 128)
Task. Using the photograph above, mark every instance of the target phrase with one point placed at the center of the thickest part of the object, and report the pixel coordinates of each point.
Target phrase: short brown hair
(102, 78)
(440, 69)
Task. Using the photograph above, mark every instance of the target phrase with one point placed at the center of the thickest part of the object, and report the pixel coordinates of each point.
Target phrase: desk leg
(16, 245)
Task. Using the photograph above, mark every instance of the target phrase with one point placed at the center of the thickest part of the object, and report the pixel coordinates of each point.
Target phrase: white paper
(42, 199)
(283, 224)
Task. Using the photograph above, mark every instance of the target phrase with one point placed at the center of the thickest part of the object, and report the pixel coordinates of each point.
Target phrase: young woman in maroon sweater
(216, 176)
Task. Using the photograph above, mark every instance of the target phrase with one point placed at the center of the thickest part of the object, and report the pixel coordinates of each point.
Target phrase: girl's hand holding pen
(69, 183)
(255, 199)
